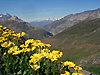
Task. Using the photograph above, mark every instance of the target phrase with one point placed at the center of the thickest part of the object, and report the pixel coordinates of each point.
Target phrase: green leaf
(24, 73)
(19, 72)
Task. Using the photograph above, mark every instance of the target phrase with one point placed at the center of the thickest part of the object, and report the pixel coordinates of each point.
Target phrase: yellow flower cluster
(2, 39)
(68, 63)
(19, 34)
(7, 44)
(31, 45)
(72, 65)
(14, 50)
(5, 32)
(54, 55)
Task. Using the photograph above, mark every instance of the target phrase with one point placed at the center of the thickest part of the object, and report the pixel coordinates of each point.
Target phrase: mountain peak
(5, 16)
(15, 18)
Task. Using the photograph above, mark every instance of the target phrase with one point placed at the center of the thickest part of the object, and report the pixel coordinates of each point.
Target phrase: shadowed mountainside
(20, 26)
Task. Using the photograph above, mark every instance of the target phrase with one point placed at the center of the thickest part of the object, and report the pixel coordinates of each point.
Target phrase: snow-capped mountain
(5, 16)
(52, 19)
(43, 23)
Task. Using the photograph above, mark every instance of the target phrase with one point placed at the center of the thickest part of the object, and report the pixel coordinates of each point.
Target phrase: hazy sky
(29, 10)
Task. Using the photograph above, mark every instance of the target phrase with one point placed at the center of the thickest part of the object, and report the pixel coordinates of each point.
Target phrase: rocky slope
(15, 18)
(72, 19)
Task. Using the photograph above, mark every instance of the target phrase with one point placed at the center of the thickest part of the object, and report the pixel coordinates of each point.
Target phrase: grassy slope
(79, 42)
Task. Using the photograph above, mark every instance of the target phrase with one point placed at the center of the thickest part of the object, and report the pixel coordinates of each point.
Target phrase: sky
(32, 10)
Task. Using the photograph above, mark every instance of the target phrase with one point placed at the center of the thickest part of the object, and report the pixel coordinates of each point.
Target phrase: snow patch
(0, 15)
(4, 14)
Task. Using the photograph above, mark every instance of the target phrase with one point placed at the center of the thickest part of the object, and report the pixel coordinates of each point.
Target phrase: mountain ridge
(43, 23)
(72, 19)
(18, 25)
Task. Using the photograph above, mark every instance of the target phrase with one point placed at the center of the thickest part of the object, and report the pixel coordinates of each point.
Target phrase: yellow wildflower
(18, 35)
(46, 50)
(35, 67)
(32, 48)
(17, 52)
(41, 44)
(38, 41)
(1, 39)
(34, 61)
(6, 44)
(5, 39)
(68, 63)
(6, 35)
(29, 41)
(14, 35)
(43, 54)
(35, 44)
(77, 68)
(25, 50)
(12, 49)
(4, 27)
(35, 58)
(22, 34)
(26, 45)
(48, 45)
(4, 53)
(51, 57)
(66, 73)
(76, 74)
(58, 54)
(0, 26)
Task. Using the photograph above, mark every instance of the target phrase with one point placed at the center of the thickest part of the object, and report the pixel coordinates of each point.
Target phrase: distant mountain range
(18, 25)
(80, 43)
(43, 23)
(72, 19)
(40, 23)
